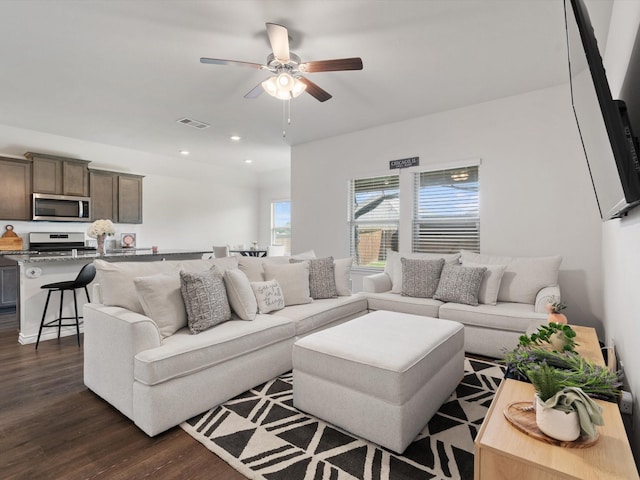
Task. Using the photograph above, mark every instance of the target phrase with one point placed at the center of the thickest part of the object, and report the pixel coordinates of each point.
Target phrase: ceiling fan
(287, 81)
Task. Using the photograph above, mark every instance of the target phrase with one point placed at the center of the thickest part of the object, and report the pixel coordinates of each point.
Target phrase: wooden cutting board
(9, 239)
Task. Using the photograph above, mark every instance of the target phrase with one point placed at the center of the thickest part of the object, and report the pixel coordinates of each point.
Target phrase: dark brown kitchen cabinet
(59, 175)
(15, 189)
(116, 196)
(8, 286)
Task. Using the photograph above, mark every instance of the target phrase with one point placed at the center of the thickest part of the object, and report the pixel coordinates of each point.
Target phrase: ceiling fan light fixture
(283, 86)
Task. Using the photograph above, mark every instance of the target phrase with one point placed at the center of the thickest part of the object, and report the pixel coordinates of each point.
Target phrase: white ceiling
(122, 72)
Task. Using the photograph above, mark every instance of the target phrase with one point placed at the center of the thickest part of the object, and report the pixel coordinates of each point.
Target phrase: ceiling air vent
(193, 123)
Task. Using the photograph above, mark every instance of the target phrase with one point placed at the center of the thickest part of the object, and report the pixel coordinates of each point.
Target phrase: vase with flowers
(99, 230)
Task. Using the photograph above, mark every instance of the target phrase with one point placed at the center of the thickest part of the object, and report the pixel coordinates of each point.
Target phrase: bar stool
(84, 278)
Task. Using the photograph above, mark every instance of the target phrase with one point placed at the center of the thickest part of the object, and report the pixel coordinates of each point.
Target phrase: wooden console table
(504, 453)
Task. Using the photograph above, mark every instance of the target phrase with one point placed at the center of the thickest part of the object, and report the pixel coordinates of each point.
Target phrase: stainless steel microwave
(61, 208)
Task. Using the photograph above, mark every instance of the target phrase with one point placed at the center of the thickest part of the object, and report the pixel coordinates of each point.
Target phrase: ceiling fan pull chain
(284, 120)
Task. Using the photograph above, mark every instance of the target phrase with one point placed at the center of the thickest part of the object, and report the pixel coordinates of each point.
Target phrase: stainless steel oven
(61, 208)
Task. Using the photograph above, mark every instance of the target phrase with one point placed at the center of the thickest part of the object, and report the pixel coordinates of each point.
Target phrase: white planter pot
(564, 426)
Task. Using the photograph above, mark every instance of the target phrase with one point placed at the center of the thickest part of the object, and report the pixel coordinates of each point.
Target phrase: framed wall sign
(128, 240)
(404, 163)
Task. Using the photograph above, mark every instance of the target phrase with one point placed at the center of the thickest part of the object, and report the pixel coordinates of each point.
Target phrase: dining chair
(275, 251)
(219, 252)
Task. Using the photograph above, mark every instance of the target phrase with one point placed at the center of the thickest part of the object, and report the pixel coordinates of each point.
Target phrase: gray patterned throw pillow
(460, 284)
(322, 277)
(205, 299)
(420, 277)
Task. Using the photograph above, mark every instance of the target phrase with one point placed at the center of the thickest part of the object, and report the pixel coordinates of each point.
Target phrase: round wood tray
(522, 416)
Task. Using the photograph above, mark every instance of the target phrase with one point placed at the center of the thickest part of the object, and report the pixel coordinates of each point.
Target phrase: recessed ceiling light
(184, 152)
(248, 160)
(235, 138)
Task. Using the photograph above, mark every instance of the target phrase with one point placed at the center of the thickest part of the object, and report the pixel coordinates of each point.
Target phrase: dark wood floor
(52, 427)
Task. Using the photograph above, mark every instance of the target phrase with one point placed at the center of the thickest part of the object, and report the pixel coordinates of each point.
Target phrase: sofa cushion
(321, 313)
(293, 278)
(199, 265)
(393, 266)
(490, 285)
(162, 302)
(116, 280)
(183, 354)
(252, 266)
(420, 277)
(395, 302)
(268, 296)
(205, 299)
(240, 294)
(513, 317)
(343, 275)
(460, 284)
(322, 277)
(523, 278)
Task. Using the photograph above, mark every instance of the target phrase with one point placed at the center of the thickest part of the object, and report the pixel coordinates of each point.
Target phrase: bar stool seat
(84, 278)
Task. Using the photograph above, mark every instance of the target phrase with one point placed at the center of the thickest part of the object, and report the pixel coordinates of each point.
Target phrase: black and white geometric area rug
(263, 436)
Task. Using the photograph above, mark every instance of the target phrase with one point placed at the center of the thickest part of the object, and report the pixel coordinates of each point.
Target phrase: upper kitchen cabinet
(59, 175)
(116, 196)
(15, 189)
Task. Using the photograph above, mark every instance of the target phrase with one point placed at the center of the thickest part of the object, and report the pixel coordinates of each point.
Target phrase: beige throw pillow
(293, 278)
(268, 295)
(116, 280)
(343, 275)
(162, 302)
(240, 294)
(490, 285)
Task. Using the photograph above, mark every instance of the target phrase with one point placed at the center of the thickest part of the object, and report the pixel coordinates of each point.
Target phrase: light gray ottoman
(381, 376)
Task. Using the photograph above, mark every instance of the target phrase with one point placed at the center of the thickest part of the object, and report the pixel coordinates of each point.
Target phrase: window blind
(446, 215)
(374, 213)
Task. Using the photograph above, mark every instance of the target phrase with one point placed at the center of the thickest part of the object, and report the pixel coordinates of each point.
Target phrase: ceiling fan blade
(279, 39)
(219, 61)
(315, 91)
(354, 63)
(255, 91)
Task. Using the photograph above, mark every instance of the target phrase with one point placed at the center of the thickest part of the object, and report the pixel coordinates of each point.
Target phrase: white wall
(535, 193)
(621, 238)
(186, 205)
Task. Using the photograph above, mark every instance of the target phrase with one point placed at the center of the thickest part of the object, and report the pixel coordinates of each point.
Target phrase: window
(374, 213)
(281, 224)
(446, 215)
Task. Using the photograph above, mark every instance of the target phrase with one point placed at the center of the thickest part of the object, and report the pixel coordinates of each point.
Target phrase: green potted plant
(555, 307)
(562, 412)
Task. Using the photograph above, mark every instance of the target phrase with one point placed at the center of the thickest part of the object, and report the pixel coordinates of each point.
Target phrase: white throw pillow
(393, 266)
(343, 275)
(240, 294)
(293, 278)
(490, 285)
(116, 280)
(523, 278)
(268, 296)
(162, 302)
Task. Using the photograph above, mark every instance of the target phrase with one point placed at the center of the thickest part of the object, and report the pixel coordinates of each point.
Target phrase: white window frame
(446, 218)
(274, 240)
(386, 219)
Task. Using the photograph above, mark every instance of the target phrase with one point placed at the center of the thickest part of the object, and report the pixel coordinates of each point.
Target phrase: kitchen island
(35, 270)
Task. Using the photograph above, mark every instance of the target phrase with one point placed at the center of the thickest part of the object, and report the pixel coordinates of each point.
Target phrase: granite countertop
(141, 254)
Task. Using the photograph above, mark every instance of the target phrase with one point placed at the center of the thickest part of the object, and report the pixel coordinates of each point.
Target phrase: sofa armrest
(113, 336)
(543, 297)
(377, 283)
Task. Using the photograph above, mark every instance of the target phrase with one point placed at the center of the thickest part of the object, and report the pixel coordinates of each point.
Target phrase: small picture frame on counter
(128, 240)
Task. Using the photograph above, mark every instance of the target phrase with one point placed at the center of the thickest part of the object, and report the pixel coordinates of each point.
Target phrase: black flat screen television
(604, 124)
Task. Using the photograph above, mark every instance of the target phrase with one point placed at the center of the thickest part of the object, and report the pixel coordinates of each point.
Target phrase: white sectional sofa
(512, 297)
(142, 356)
(159, 381)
